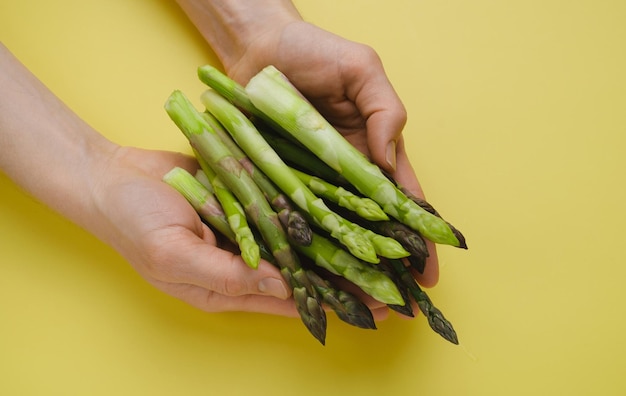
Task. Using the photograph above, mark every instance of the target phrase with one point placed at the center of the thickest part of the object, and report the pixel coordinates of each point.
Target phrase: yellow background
(517, 114)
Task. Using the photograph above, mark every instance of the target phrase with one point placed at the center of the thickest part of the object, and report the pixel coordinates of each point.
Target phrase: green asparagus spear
(408, 238)
(301, 158)
(293, 154)
(211, 148)
(284, 144)
(253, 144)
(333, 258)
(264, 156)
(235, 215)
(429, 208)
(234, 93)
(204, 180)
(347, 306)
(227, 88)
(364, 207)
(271, 93)
(436, 320)
(305, 161)
(384, 246)
(411, 240)
(297, 227)
(201, 199)
(406, 308)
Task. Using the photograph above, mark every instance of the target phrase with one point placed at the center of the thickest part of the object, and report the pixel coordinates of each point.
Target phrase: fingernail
(391, 154)
(273, 287)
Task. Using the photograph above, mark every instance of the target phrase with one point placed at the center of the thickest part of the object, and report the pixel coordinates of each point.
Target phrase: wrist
(45, 148)
(232, 26)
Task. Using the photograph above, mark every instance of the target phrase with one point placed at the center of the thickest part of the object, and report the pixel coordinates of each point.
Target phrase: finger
(385, 117)
(379, 314)
(405, 176)
(383, 131)
(405, 173)
(430, 276)
(191, 260)
(210, 301)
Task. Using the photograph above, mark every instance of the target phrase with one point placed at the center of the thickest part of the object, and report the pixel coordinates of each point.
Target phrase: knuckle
(359, 59)
(233, 286)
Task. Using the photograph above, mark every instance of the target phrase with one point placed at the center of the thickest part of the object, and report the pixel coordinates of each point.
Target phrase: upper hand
(347, 83)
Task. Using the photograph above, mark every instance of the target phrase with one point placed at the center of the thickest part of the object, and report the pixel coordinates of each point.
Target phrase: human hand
(160, 234)
(346, 82)
(162, 237)
(117, 193)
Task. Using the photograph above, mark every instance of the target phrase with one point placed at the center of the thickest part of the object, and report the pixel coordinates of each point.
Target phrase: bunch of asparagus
(282, 184)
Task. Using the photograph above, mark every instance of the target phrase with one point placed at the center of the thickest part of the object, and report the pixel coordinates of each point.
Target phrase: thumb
(383, 132)
(386, 117)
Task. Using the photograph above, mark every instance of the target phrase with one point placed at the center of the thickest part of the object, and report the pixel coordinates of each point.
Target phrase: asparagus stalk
(250, 140)
(210, 209)
(234, 93)
(410, 240)
(297, 227)
(301, 158)
(406, 308)
(370, 279)
(436, 320)
(204, 180)
(417, 263)
(271, 93)
(384, 246)
(201, 199)
(364, 207)
(210, 147)
(347, 306)
(429, 208)
(257, 149)
(235, 215)
(304, 160)
(227, 88)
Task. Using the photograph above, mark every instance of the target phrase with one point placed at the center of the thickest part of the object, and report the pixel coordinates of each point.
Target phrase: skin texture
(123, 200)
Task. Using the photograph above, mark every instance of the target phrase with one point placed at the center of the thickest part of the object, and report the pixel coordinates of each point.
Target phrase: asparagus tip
(436, 320)
(442, 326)
(405, 309)
(363, 320)
(418, 263)
(311, 313)
(298, 229)
(357, 313)
(459, 236)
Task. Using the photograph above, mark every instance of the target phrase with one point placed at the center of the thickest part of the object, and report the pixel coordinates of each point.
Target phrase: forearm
(44, 147)
(229, 26)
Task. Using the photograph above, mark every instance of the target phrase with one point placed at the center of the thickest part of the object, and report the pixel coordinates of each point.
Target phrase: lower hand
(163, 238)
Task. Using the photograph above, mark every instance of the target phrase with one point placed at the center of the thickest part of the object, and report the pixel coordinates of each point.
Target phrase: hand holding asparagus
(235, 142)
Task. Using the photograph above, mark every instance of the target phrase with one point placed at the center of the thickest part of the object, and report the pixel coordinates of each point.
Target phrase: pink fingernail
(273, 287)
(391, 154)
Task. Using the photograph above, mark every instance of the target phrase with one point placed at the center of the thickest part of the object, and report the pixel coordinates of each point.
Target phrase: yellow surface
(516, 128)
